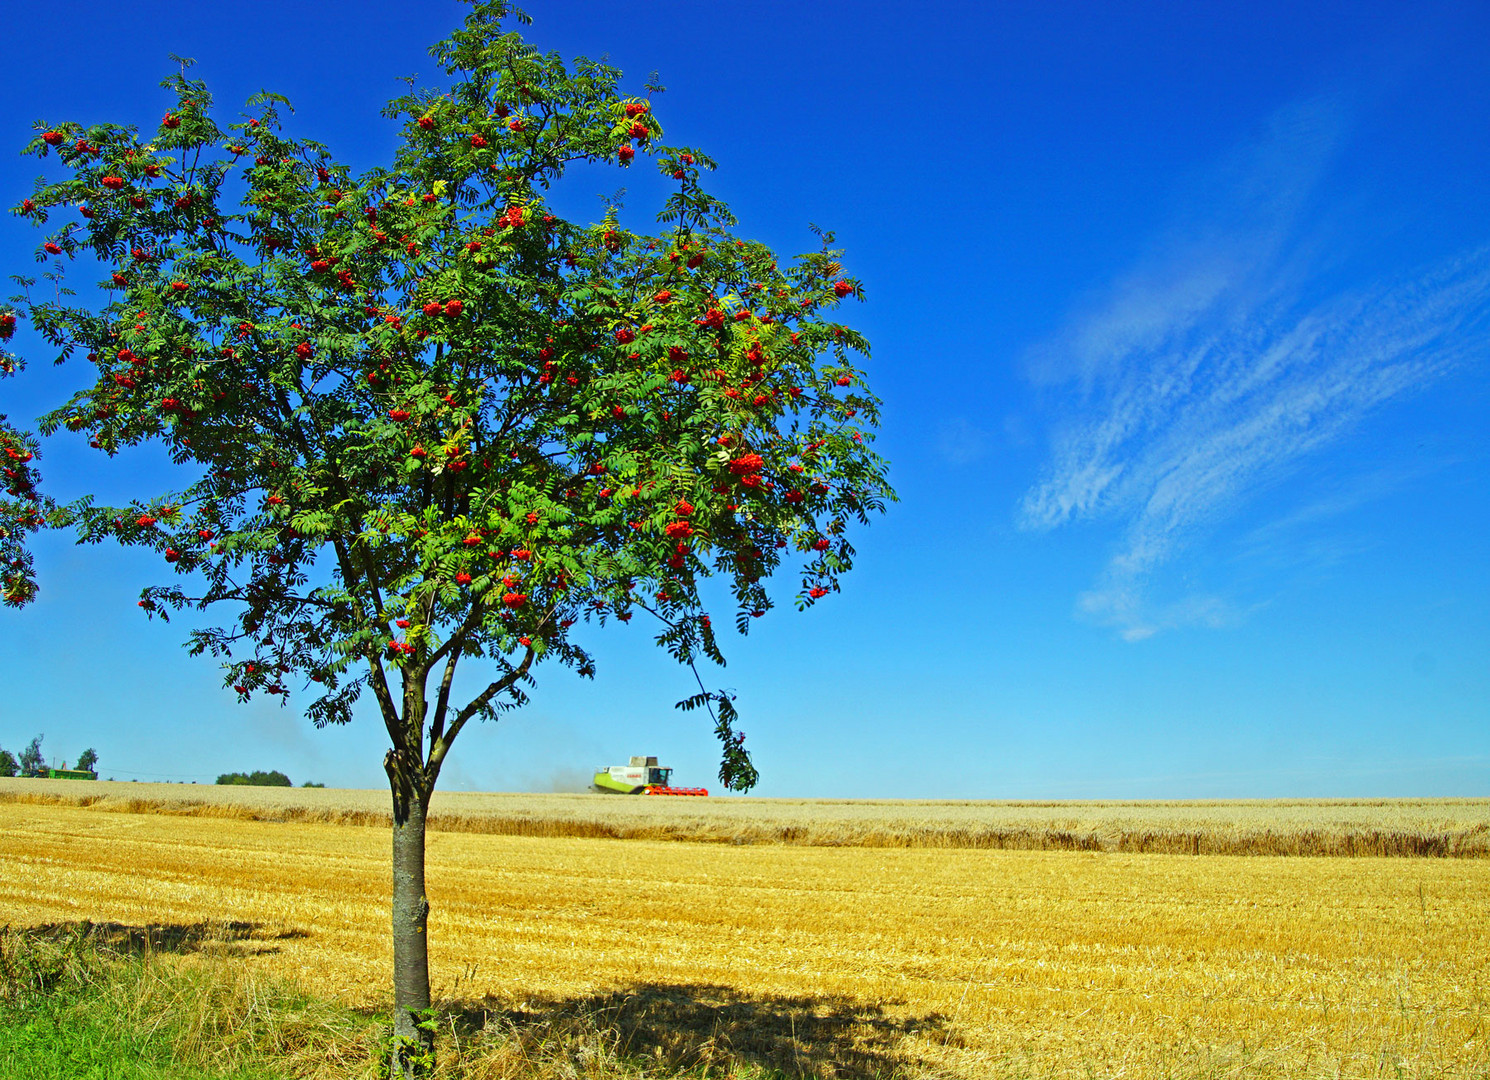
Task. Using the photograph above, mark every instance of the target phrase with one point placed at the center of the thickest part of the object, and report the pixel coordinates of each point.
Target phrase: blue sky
(1179, 313)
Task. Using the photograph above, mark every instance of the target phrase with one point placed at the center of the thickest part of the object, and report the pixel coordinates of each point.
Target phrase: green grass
(92, 1002)
(72, 1038)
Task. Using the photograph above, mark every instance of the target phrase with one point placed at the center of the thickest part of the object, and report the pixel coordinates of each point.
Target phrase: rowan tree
(429, 424)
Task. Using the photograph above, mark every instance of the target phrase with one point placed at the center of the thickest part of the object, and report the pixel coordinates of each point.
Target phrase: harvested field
(853, 961)
(1331, 827)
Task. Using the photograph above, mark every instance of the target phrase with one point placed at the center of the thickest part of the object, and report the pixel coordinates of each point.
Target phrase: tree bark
(412, 1045)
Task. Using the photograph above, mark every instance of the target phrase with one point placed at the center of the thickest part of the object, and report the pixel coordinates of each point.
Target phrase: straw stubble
(972, 962)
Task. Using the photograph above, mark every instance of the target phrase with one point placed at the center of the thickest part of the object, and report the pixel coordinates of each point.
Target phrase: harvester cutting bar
(659, 790)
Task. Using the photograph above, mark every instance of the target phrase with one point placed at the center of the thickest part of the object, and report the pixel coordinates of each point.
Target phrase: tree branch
(440, 748)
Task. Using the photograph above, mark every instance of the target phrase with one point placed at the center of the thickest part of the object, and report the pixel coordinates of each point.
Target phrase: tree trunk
(412, 1045)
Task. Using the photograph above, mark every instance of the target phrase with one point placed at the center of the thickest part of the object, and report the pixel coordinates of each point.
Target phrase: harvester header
(642, 777)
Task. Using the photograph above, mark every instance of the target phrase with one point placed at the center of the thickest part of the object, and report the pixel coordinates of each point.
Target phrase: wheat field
(838, 960)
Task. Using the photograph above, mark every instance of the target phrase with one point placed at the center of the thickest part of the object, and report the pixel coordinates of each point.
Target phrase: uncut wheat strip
(1422, 827)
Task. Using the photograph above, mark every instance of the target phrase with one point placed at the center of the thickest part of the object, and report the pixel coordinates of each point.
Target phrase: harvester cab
(642, 777)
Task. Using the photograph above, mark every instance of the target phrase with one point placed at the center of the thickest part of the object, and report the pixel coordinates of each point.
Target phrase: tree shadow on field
(687, 1027)
(232, 938)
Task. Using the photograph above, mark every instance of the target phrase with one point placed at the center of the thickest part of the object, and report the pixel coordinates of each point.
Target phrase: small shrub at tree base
(431, 423)
(8, 764)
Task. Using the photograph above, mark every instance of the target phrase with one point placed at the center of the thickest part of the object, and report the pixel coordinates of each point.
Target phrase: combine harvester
(642, 777)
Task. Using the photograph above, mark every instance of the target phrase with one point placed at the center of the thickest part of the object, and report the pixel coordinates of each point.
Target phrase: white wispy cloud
(1215, 366)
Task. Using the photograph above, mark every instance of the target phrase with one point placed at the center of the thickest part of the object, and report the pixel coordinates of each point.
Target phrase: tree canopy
(433, 421)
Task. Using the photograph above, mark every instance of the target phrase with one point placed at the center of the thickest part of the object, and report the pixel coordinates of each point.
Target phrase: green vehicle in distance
(642, 777)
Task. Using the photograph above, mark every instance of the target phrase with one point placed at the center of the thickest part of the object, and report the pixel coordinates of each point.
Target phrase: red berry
(179, 286)
(113, 183)
(171, 120)
(463, 578)
(477, 141)
(303, 350)
(626, 153)
(453, 308)
(53, 138)
(432, 308)
(842, 288)
(52, 248)
(427, 122)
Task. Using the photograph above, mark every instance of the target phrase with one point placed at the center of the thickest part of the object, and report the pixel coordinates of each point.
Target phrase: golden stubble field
(942, 961)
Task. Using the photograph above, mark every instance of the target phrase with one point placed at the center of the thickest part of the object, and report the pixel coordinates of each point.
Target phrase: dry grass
(1328, 827)
(180, 986)
(854, 961)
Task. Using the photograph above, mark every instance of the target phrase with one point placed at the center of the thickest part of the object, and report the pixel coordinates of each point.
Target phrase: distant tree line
(32, 763)
(259, 778)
